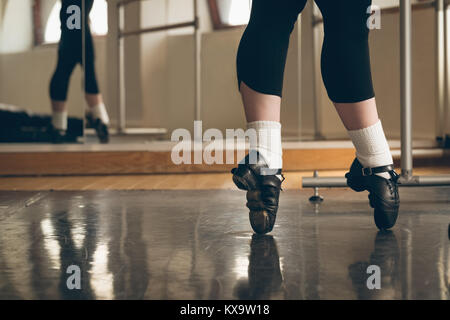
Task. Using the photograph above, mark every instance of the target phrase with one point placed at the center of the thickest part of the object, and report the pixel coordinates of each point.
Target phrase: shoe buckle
(366, 172)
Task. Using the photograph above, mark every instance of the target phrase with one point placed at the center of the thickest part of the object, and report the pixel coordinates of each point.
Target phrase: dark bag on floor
(19, 125)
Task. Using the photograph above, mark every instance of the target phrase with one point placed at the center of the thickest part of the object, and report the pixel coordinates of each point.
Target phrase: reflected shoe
(57, 136)
(383, 193)
(386, 255)
(263, 190)
(264, 273)
(100, 128)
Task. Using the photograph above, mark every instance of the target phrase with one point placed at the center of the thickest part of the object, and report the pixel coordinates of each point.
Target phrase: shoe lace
(394, 175)
(394, 179)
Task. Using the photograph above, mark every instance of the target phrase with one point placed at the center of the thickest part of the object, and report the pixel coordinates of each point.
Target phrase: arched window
(98, 17)
(229, 13)
(52, 28)
(238, 12)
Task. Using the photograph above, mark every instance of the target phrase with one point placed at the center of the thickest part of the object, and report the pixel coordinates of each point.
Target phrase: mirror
(29, 36)
(42, 98)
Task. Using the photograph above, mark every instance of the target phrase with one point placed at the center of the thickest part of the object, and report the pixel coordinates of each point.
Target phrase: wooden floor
(201, 181)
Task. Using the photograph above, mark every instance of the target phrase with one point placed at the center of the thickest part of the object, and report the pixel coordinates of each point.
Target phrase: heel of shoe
(355, 183)
(244, 178)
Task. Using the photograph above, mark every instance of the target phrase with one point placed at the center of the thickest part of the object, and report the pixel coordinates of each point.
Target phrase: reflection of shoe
(264, 273)
(386, 255)
(383, 193)
(100, 128)
(263, 191)
(57, 136)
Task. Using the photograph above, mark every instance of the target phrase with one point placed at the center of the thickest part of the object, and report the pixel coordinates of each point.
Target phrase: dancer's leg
(260, 66)
(347, 77)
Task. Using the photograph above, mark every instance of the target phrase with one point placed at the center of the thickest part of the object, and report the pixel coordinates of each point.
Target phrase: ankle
(59, 120)
(268, 142)
(99, 112)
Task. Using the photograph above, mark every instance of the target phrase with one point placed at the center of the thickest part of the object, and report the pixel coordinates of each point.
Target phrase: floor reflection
(164, 245)
(386, 256)
(264, 274)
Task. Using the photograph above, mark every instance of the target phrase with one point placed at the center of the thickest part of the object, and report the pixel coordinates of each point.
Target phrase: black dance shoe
(56, 136)
(263, 190)
(383, 193)
(100, 128)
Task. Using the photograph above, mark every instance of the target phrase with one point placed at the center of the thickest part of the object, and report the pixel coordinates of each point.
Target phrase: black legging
(70, 54)
(345, 54)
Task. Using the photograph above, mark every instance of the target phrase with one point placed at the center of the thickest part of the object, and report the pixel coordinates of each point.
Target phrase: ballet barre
(121, 92)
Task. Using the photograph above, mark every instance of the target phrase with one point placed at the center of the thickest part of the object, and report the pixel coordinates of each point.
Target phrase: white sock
(99, 112)
(268, 142)
(372, 148)
(59, 120)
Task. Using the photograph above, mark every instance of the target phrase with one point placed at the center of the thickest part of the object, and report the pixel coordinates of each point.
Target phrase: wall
(16, 26)
(25, 78)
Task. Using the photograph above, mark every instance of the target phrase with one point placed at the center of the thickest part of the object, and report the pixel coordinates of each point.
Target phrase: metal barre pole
(440, 69)
(446, 119)
(316, 112)
(83, 52)
(157, 29)
(340, 182)
(406, 88)
(121, 127)
(197, 62)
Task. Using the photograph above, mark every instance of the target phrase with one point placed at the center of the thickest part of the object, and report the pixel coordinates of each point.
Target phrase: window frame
(38, 30)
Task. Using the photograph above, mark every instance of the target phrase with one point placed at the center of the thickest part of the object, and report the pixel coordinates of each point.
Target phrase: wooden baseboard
(147, 162)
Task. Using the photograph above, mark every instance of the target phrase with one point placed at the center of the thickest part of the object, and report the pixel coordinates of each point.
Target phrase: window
(52, 28)
(98, 18)
(229, 13)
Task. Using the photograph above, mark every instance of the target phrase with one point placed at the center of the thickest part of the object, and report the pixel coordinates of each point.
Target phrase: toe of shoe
(260, 221)
(385, 219)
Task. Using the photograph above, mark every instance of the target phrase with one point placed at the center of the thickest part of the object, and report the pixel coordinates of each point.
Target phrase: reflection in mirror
(97, 117)
(27, 66)
(41, 99)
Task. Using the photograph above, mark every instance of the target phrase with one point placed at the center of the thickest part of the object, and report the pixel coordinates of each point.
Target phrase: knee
(347, 24)
(57, 90)
(275, 17)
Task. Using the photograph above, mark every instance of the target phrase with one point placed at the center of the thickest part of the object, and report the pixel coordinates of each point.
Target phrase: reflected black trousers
(345, 60)
(70, 53)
